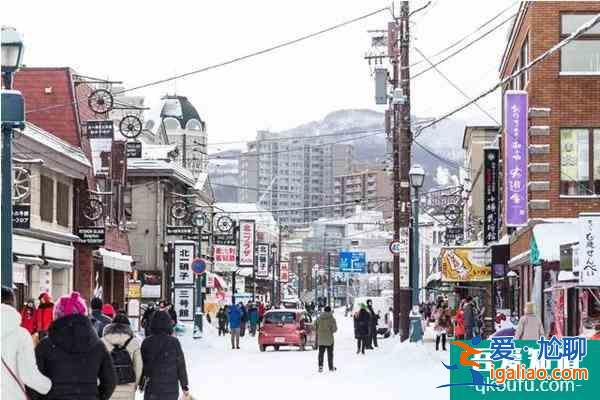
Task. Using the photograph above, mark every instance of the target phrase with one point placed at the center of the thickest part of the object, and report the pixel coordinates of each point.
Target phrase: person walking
(28, 317)
(73, 357)
(164, 367)
(469, 317)
(326, 327)
(261, 312)
(417, 325)
(43, 315)
(109, 310)
(222, 320)
(147, 318)
(19, 367)
(442, 324)
(99, 320)
(253, 319)
(372, 342)
(361, 328)
(234, 315)
(244, 319)
(459, 323)
(125, 350)
(530, 327)
(168, 308)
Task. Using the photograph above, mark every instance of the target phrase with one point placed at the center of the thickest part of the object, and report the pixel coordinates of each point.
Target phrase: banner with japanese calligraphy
(247, 238)
(224, 257)
(262, 265)
(184, 255)
(515, 158)
(589, 249)
(490, 195)
(184, 303)
(466, 264)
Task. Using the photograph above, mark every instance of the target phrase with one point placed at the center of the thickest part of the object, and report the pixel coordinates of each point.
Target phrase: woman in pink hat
(73, 357)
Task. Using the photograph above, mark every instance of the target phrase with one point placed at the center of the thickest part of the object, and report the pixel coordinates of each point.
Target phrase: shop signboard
(490, 196)
(101, 129)
(151, 284)
(91, 235)
(589, 249)
(465, 264)
(184, 255)
(262, 264)
(134, 290)
(284, 272)
(21, 216)
(225, 257)
(247, 238)
(516, 158)
(184, 303)
(404, 255)
(134, 149)
(181, 230)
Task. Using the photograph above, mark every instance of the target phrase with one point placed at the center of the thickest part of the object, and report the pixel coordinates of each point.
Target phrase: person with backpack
(99, 320)
(164, 362)
(125, 351)
(27, 317)
(19, 367)
(43, 315)
(73, 357)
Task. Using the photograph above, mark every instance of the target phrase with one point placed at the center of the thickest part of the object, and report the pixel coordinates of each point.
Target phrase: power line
(580, 31)
(230, 61)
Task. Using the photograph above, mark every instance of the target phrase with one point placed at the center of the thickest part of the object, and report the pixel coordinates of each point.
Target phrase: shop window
(581, 56)
(62, 204)
(46, 198)
(580, 162)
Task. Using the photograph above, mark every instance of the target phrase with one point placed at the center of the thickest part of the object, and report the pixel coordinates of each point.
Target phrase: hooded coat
(117, 335)
(164, 362)
(234, 314)
(326, 327)
(44, 314)
(76, 361)
(362, 323)
(18, 354)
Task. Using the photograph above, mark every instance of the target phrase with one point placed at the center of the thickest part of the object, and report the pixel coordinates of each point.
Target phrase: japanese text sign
(262, 266)
(589, 250)
(490, 195)
(246, 256)
(515, 158)
(225, 257)
(184, 255)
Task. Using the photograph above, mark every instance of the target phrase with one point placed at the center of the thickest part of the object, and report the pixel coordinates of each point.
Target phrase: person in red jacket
(27, 316)
(43, 315)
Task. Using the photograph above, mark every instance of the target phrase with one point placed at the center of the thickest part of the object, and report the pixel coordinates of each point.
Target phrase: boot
(320, 368)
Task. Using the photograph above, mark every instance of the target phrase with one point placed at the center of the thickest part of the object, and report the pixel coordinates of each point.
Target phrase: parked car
(287, 328)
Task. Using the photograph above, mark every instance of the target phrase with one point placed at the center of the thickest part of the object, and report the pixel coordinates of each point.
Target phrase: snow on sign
(184, 255)
(184, 303)
(589, 249)
(246, 256)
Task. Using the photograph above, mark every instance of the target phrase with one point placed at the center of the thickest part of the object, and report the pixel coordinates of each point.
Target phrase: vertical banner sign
(184, 255)
(262, 266)
(515, 158)
(589, 249)
(284, 272)
(404, 254)
(490, 196)
(184, 303)
(246, 256)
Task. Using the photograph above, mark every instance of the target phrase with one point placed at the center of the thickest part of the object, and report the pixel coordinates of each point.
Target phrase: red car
(287, 328)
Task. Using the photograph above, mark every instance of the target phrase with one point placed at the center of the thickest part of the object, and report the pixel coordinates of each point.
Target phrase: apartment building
(370, 188)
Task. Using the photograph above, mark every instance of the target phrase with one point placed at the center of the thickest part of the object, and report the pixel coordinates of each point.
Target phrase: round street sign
(395, 247)
(199, 266)
(198, 219)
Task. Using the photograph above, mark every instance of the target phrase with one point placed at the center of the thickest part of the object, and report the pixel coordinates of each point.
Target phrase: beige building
(371, 188)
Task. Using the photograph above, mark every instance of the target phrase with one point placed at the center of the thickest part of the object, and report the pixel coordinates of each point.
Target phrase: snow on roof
(549, 237)
(55, 143)
(251, 211)
(136, 166)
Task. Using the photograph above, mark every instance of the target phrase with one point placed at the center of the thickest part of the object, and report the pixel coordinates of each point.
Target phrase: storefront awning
(29, 260)
(58, 264)
(115, 260)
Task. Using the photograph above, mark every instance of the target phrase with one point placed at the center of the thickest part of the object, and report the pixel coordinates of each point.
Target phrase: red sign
(284, 272)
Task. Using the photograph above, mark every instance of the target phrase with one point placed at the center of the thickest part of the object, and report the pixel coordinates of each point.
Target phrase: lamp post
(300, 274)
(417, 177)
(13, 116)
(273, 250)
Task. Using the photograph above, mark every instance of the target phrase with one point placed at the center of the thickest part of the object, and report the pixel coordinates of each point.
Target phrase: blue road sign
(199, 266)
(353, 261)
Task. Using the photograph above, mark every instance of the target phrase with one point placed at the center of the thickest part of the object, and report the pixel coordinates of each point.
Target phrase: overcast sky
(137, 42)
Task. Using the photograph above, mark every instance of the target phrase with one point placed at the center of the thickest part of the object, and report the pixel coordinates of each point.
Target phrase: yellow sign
(134, 290)
(465, 264)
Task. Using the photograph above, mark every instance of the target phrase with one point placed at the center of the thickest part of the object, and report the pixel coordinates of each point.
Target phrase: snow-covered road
(394, 370)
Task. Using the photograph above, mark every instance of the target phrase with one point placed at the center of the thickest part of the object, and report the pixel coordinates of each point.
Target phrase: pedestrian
(43, 315)
(244, 319)
(222, 320)
(530, 327)
(253, 319)
(234, 314)
(168, 307)
(459, 322)
(28, 317)
(261, 312)
(417, 325)
(326, 327)
(99, 320)
(73, 357)
(442, 324)
(373, 327)
(164, 362)
(109, 310)
(469, 317)
(147, 318)
(361, 328)
(19, 367)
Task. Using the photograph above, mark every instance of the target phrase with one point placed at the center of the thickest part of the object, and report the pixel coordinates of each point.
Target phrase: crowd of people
(62, 350)
(234, 319)
(365, 327)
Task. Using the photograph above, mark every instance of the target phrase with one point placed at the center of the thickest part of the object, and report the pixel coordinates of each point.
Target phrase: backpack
(123, 363)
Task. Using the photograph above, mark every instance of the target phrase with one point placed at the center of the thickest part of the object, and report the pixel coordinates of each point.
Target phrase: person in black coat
(99, 320)
(147, 318)
(73, 357)
(372, 341)
(362, 321)
(168, 307)
(164, 362)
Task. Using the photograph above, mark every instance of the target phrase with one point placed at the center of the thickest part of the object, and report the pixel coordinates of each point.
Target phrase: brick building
(563, 140)
(57, 101)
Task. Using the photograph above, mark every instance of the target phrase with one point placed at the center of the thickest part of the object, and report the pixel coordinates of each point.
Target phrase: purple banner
(515, 157)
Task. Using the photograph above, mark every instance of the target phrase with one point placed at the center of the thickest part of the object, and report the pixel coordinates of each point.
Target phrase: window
(46, 199)
(582, 55)
(580, 162)
(62, 204)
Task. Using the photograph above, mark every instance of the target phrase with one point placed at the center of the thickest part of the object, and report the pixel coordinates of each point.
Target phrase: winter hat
(45, 296)
(108, 310)
(121, 319)
(68, 305)
(363, 306)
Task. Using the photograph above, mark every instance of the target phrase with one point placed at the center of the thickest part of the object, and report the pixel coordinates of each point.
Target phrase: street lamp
(273, 250)
(13, 116)
(300, 274)
(417, 177)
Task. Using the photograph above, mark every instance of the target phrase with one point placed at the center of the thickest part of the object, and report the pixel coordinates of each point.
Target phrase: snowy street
(394, 369)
